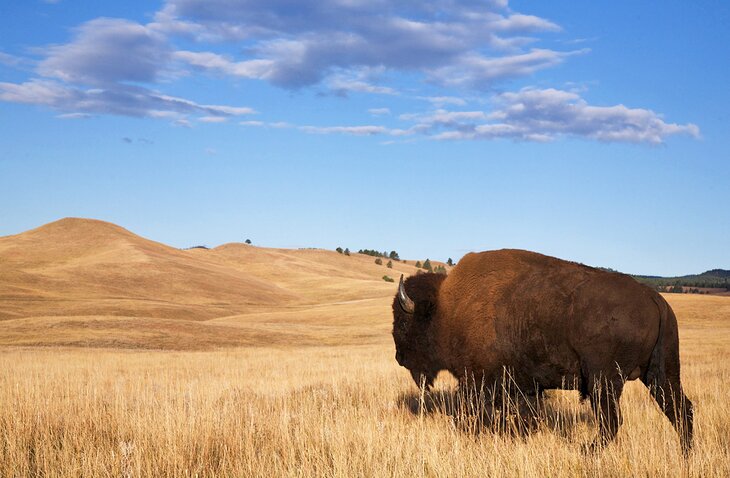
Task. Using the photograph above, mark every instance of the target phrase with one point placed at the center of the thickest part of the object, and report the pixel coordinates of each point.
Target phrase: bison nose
(399, 358)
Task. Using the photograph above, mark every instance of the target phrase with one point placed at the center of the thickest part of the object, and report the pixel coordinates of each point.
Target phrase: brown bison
(551, 323)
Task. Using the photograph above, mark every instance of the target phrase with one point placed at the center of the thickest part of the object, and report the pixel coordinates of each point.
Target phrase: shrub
(389, 265)
(418, 264)
(347, 251)
(339, 249)
(388, 279)
(379, 261)
(427, 265)
(370, 252)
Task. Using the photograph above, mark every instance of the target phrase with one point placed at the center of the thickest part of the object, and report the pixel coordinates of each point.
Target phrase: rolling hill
(92, 283)
(715, 280)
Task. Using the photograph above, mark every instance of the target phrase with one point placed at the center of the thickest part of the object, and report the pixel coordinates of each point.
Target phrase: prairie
(299, 383)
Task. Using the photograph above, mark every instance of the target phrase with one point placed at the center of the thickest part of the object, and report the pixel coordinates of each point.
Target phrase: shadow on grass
(515, 415)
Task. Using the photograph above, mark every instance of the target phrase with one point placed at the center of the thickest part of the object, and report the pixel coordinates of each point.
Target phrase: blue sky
(593, 131)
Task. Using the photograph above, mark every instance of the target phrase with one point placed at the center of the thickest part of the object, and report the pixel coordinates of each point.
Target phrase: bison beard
(554, 324)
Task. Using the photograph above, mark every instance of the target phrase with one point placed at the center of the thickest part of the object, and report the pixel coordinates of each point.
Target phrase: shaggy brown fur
(552, 324)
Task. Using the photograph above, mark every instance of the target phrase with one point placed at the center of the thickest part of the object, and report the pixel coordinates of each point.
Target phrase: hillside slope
(82, 267)
(89, 282)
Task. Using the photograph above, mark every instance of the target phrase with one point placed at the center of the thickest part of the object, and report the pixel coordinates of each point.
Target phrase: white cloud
(547, 114)
(531, 114)
(108, 50)
(357, 130)
(212, 119)
(256, 69)
(74, 116)
(361, 80)
(301, 43)
(379, 111)
(368, 130)
(444, 117)
(478, 71)
(100, 71)
(119, 100)
(524, 23)
(118, 66)
(441, 101)
(13, 61)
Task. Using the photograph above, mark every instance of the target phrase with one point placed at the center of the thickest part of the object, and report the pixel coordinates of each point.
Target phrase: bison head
(414, 310)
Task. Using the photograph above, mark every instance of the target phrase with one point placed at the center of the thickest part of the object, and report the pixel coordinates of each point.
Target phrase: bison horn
(405, 302)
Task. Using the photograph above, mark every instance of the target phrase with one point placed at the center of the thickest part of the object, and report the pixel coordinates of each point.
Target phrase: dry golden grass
(329, 411)
(297, 381)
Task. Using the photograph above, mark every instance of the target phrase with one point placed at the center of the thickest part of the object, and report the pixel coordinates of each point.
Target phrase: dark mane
(423, 290)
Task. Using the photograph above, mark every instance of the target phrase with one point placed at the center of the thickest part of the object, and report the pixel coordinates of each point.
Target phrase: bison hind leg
(605, 394)
(677, 407)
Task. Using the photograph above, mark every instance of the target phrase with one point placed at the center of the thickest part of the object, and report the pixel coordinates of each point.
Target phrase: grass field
(340, 410)
(296, 378)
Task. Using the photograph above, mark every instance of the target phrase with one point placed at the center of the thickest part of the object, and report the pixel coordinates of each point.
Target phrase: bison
(553, 324)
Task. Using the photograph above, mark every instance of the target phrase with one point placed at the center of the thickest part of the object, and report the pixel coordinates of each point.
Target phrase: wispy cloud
(118, 99)
(441, 101)
(547, 114)
(14, 61)
(295, 45)
(379, 111)
(481, 72)
(367, 130)
(212, 119)
(530, 114)
(461, 49)
(102, 70)
(351, 130)
(361, 80)
(106, 51)
(74, 116)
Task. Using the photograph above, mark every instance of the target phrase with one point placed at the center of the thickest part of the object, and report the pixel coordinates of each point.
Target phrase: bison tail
(656, 371)
(662, 376)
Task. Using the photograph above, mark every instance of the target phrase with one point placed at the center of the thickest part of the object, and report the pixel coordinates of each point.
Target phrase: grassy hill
(88, 282)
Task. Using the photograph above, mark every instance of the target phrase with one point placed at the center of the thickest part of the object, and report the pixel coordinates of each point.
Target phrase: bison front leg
(605, 395)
